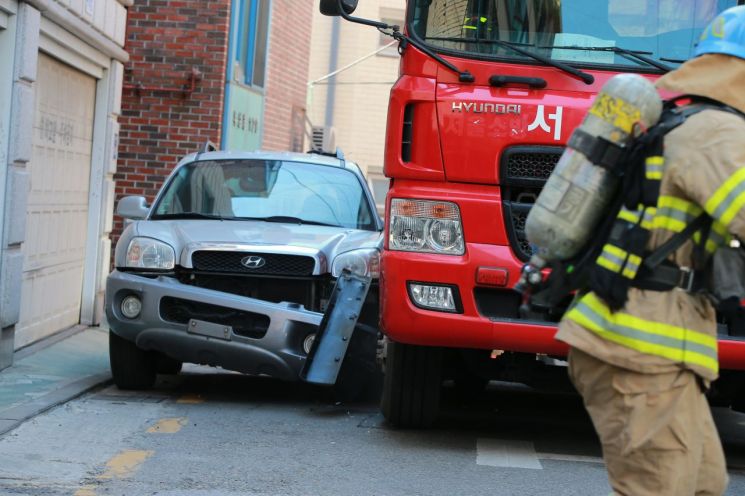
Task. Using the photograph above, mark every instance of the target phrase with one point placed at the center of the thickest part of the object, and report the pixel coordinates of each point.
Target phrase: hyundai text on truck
(489, 92)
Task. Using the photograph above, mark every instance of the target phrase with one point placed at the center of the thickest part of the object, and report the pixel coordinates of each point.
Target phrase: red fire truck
(488, 94)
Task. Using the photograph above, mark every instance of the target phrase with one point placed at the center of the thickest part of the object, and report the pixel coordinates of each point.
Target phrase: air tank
(577, 192)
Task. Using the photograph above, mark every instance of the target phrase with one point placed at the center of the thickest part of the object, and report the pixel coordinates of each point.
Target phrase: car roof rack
(337, 154)
(209, 146)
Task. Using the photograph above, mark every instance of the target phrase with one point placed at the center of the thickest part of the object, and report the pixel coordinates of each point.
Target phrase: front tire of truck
(131, 367)
(412, 383)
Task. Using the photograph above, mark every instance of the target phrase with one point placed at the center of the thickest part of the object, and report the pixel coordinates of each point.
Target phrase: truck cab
(488, 95)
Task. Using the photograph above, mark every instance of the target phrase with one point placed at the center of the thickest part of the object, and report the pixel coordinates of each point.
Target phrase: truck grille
(273, 264)
(523, 172)
(531, 165)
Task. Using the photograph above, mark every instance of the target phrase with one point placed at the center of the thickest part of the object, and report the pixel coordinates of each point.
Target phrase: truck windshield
(584, 32)
(268, 190)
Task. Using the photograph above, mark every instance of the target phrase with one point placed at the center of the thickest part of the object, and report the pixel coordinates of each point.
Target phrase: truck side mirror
(338, 7)
(132, 207)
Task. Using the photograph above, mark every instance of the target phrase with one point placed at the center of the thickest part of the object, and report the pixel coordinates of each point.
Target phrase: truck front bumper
(275, 348)
(486, 318)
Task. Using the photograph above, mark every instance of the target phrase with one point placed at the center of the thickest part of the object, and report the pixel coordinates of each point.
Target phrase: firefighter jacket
(703, 170)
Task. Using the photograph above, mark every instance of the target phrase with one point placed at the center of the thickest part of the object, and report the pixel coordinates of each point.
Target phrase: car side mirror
(132, 207)
(338, 7)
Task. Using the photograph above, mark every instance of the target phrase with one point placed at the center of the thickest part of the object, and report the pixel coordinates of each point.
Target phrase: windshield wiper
(288, 220)
(637, 54)
(396, 34)
(190, 215)
(517, 47)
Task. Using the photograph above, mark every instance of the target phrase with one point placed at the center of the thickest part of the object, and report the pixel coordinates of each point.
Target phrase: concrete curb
(15, 416)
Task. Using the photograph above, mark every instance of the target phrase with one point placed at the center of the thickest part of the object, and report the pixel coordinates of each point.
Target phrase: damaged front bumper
(203, 326)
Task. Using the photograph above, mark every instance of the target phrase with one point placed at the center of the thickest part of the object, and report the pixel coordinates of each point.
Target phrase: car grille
(273, 264)
(524, 171)
(180, 311)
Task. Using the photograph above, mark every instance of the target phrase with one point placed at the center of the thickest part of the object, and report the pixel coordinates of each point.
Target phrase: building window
(253, 40)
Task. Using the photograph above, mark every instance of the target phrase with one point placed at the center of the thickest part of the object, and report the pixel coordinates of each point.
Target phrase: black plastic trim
(510, 205)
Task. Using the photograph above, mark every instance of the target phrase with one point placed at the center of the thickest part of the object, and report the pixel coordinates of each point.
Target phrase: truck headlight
(425, 226)
(364, 262)
(148, 253)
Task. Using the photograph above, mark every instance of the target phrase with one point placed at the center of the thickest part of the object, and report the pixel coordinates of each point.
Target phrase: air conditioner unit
(324, 139)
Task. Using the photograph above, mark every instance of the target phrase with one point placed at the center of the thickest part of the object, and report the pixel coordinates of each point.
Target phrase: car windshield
(576, 31)
(270, 190)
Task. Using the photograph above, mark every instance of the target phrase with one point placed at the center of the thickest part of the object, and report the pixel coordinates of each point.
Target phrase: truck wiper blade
(463, 76)
(288, 220)
(637, 54)
(517, 47)
(190, 215)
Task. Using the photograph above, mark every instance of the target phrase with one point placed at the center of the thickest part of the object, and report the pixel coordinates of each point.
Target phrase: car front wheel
(131, 367)
(412, 383)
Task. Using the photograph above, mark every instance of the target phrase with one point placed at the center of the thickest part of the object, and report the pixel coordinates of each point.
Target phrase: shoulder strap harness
(616, 259)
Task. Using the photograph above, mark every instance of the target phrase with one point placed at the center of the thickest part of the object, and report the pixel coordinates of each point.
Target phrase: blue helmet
(725, 34)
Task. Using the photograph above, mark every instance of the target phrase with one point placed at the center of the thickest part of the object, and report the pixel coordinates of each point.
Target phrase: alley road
(208, 433)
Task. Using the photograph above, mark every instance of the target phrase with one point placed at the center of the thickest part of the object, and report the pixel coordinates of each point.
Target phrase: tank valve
(531, 276)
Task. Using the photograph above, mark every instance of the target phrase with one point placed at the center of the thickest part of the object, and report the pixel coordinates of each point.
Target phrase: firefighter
(642, 370)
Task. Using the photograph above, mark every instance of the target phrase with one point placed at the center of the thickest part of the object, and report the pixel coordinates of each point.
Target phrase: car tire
(167, 365)
(359, 376)
(131, 367)
(411, 386)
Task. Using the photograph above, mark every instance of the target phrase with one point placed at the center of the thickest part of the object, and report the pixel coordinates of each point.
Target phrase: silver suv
(234, 263)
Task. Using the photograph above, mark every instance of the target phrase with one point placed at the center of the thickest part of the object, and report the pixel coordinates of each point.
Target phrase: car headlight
(148, 253)
(365, 262)
(425, 226)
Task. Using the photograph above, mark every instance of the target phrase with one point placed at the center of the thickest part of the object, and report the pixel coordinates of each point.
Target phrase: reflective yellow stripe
(483, 19)
(655, 160)
(646, 336)
(679, 204)
(653, 175)
(615, 251)
(668, 223)
(470, 27)
(633, 216)
(628, 216)
(608, 264)
(729, 199)
(655, 166)
(674, 214)
(632, 266)
(619, 261)
(649, 326)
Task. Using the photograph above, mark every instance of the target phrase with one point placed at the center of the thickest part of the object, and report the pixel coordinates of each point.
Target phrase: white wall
(361, 99)
(89, 36)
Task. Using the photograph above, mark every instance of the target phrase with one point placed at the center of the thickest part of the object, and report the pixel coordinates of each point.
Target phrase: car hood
(187, 236)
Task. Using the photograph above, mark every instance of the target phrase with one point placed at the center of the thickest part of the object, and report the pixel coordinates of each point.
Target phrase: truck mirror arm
(395, 33)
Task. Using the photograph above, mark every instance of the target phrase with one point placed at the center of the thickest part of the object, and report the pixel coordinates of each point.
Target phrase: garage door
(57, 215)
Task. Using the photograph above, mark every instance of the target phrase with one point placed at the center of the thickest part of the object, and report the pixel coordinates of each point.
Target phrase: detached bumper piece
(335, 332)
